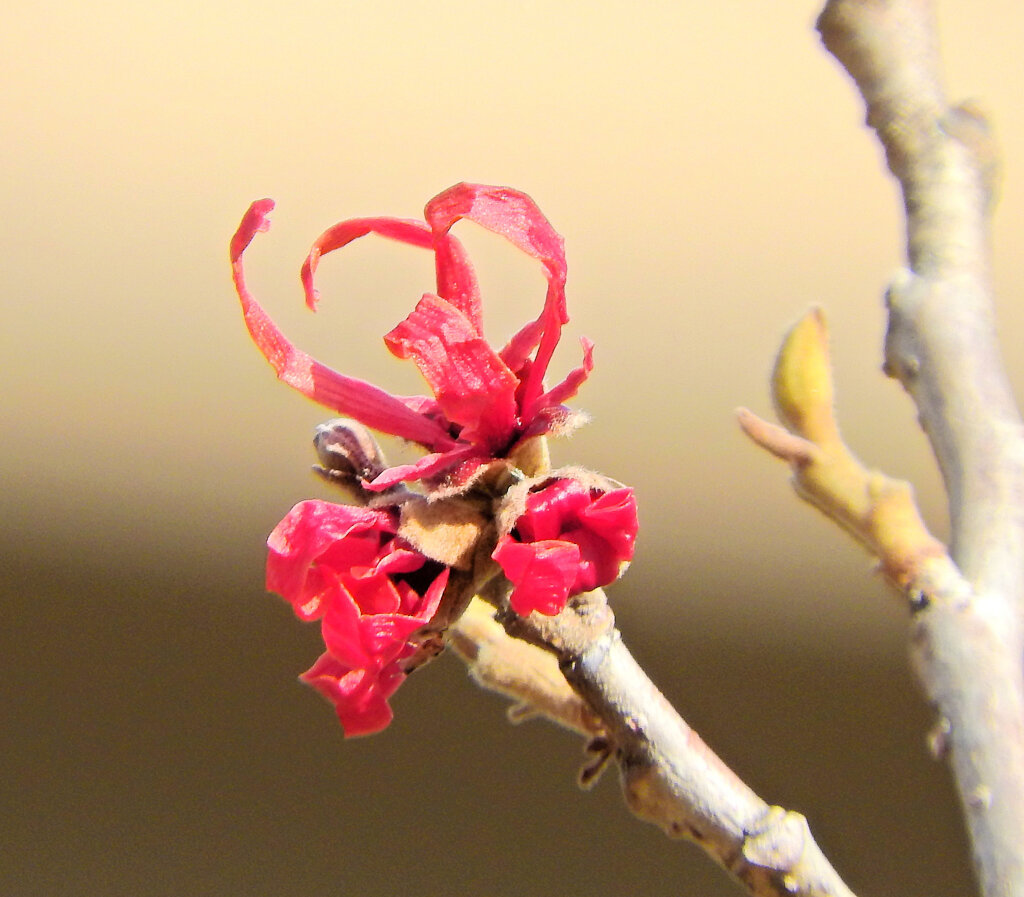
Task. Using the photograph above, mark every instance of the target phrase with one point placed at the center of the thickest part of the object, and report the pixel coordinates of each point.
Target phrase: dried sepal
(447, 531)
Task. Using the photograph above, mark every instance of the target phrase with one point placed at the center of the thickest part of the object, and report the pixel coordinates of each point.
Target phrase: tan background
(708, 168)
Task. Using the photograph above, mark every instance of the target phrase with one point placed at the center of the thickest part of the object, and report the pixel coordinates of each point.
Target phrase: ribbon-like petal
(346, 395)
(517, 218)
(484, 401)
(456, 280)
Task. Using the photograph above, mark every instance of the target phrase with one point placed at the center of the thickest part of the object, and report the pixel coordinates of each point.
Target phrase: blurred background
(708, 167)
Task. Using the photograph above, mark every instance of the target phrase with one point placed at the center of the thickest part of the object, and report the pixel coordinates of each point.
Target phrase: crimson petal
(456, 280)
(542, 573)
(515, 216)
(349, 396)
(472, 385)
(573, 380)
(360, 696)
(428, 466)
(307, 531)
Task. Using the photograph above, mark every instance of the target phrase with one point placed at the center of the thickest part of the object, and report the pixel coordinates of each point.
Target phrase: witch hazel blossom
(385, 578)
(484, 402)
(571, 538)
(347, 567)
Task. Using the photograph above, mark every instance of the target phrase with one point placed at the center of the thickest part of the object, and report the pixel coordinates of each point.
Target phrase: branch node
(939, 737)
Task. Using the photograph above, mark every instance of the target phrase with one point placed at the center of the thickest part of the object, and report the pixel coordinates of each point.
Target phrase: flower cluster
(346, 566)
(485, 401)
(380, 575)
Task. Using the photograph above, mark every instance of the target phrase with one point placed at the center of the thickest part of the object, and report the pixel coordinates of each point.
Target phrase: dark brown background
(709, 170)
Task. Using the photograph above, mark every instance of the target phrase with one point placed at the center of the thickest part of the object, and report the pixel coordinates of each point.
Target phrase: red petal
(399, 560)
(612, 516)
(347, 395)
(432, 597)
(384, 636)
(516, 352)
(553, 510)
(515, 216)
(342, 634)
(456, 280)
(415, 233)
(505, 211)
(571, 384)
(472, 385)
(307, 532)
(542, 572)
(360, 696)
(427, 466)
(372, 592)
(603, 528)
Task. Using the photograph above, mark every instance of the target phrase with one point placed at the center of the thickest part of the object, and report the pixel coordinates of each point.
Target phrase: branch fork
(966, 601)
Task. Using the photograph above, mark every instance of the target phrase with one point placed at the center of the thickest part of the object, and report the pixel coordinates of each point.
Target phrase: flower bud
(348, 453)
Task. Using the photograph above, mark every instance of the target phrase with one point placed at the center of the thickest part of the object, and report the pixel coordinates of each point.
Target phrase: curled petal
(349, 396)
(385, 588)
(255, 220)
(367, 640)
(361, 668)
(432, 597)
(404, 230)
(430, 466)
(507, 212)
(516, 353)
(600, 526)
(360, 696)
(573, 380)
(553, 510)
(372, 591)
(341, 632)
(307, 533)
(515, 216)
(612, 517)
(386, 635)
(400, 560)
(456, 280)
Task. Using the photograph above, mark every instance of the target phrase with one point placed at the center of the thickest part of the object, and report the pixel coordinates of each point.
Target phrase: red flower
(484, 401)
(372, 591)
(570, 539)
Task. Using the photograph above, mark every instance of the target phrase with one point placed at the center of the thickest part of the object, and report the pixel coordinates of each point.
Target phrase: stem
(941, 345)
(669, 776)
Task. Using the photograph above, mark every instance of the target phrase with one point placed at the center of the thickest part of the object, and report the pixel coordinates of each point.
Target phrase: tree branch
(966, 631)
(521, 671)
(966, 635)
(669, 776)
